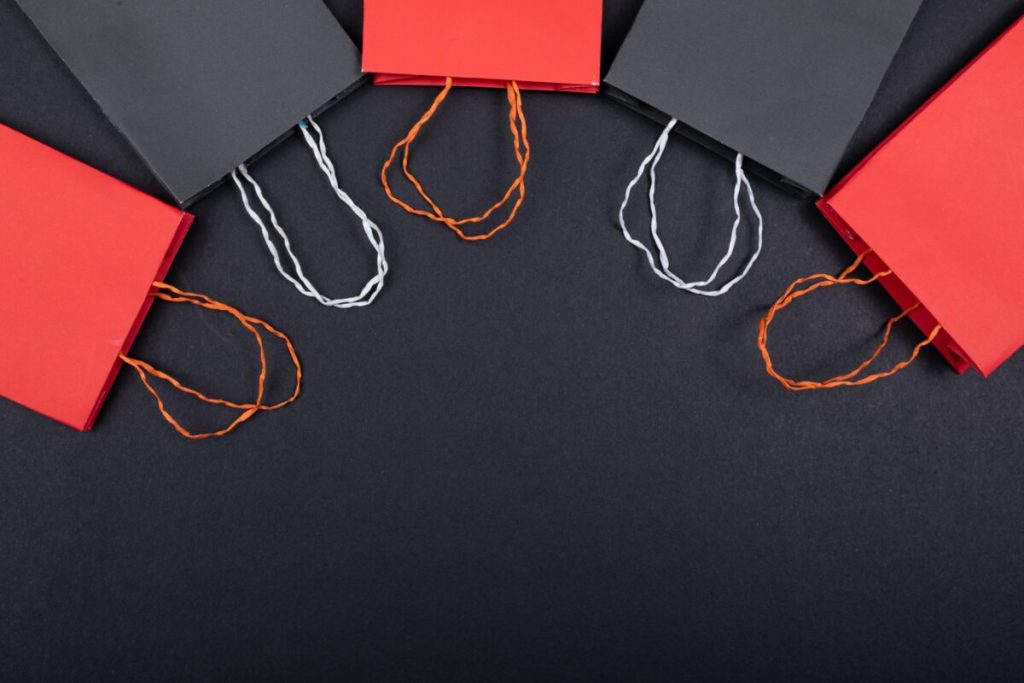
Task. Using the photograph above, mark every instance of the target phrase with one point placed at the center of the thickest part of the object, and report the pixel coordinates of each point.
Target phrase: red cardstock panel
(542, 45)
(941, 204)
(81, 252)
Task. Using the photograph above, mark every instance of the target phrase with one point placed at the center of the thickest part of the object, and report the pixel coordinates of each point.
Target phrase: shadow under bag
(201, 88)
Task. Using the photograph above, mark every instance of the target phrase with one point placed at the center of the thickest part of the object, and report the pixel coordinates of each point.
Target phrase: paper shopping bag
(202, 88)
(85, 256)
(778, 86)
(528, 45)
(936, 213)
(540, 45)
(786, 83)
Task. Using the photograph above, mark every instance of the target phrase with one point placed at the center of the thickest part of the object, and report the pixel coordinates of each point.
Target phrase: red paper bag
(941, 204)
(484, 43)
(81, 253)
(540, 44)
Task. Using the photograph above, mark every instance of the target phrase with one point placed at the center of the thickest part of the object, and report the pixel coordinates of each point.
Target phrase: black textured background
(530, 459)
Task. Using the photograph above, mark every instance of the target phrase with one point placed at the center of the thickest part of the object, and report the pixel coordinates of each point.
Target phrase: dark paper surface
(785, 82)
(200, 86)
(526, 461)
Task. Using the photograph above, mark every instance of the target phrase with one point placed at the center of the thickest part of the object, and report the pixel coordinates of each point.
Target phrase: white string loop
(662, 267)
(373, 286)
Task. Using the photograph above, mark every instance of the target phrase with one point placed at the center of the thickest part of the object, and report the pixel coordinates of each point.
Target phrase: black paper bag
(201, 86)
(786, 83)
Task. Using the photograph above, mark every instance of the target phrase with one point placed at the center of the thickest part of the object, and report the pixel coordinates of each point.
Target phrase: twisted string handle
(806, 285)
(243, 179)
(520, 143)
(662, 266)
(147, 372)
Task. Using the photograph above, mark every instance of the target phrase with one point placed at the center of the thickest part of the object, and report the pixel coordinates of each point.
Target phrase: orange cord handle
(850, 379)
(521, 143)
(146, 371)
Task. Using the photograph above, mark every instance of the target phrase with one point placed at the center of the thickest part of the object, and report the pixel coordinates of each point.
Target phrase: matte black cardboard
(200, 86)
(784, 82)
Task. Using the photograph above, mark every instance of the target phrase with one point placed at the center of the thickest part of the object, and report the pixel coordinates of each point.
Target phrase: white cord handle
(662, 268)
(299, 280)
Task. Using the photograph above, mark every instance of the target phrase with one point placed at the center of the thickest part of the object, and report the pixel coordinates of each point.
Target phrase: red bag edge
(893, 285)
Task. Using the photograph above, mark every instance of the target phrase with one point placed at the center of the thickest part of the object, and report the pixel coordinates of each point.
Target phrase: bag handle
(314, 137)
(146, 371)
(520, 142)
(662, 268)
(853, 378)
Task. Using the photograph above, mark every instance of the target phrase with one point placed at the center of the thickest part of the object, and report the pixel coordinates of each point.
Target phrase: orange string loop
(521, 144)
(852, 378)
(146, 371)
